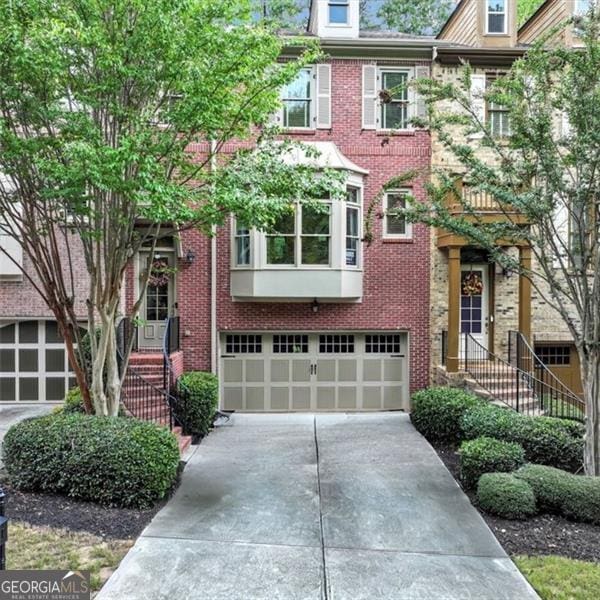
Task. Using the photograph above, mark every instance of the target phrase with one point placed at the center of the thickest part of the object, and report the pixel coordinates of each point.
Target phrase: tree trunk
(113, 381)
(590, 363)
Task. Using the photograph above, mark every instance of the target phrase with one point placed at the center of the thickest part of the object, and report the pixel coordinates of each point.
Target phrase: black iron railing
(3, 530)
(518, 388)
(444, 347)
(141, 398)
(557, 399)
(127, 339)
(171, 343)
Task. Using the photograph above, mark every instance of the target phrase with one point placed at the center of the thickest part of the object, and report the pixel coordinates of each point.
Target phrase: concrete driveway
(289, 507)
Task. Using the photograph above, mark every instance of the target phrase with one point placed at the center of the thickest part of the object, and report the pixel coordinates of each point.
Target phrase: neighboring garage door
(33, 362)
(314, 371)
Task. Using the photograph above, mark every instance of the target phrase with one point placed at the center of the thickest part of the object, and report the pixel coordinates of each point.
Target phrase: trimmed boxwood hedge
(113, 461)
(546, 440)
(488, 455)
(436, 412)
(506, 496)
(197, 401)
(576, 497)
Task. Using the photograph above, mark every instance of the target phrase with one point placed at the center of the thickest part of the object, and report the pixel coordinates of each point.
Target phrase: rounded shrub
(113, 461)
(196, 403)
(488, 455)
(436, 412)
(546, 440)
(506, 496)
(73, 401)
(576, 497)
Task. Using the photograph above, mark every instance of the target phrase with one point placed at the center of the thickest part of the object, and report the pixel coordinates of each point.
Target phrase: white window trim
(329, 5)
(312, 115)
(408, 234)
(487, 20)
(234, 237)
(411, 98)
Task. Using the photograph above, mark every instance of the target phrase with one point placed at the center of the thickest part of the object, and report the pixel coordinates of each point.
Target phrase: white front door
(157, 305)
(474, 284)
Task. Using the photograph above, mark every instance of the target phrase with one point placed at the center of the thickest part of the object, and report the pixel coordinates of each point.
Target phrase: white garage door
(314, 371)
(33, 362)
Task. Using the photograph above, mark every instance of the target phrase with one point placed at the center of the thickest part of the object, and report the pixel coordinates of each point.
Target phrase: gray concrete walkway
(317, 507)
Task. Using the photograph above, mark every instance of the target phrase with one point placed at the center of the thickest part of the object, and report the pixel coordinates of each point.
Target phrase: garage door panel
(301, 398)
(347, 397)
(372, 397)
(301, 370)
(232, 398)
(325, 398)
(8, 391)
(393, 369)
(280, 398)
(55, 388)
(255, 371)
(326, 369)
(7, 360)
(233, 371)
(347, 370)
(280, 371)
(371, 369)
(392, 397)
(255, 398)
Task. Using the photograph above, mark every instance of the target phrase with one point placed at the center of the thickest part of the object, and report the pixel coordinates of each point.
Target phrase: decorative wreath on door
(160, 273)
(472, 285)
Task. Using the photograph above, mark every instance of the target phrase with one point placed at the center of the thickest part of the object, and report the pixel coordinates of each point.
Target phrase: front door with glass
(158, 300)
(474, 304)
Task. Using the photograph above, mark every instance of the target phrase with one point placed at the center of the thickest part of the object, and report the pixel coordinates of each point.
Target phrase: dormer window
(496, 16)
(338, 12)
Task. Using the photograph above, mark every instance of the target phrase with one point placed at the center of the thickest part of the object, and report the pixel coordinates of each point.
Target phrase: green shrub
(506, 496)
(546, 440)
(197, 400)
(576, 497)
(109, 460)
(488, 455)
(73, 401)
(437, 412)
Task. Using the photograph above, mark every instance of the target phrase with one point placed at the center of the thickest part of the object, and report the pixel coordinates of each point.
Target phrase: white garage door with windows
(326, 371)
(33, 362)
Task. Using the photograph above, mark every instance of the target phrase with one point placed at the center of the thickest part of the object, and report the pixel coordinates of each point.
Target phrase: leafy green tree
(416, 17)
(526, 8)
(284, 13)
(113, 118)
(546, 171)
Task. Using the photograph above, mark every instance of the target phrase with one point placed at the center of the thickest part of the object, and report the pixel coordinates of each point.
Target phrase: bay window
(352, 227)
(496, 16)
(242, 245)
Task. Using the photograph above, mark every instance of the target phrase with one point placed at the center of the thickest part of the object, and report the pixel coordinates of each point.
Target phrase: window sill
(407, 240)
(298, 131)
(395, 132)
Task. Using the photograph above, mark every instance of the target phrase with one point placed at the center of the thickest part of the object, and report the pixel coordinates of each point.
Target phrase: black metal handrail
(444, 347)
(170, 344)
(558, 399)
(141, 398)
(514, 386)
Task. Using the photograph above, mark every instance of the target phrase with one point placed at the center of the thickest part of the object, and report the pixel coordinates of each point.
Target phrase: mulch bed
(58, 511)
(542, 535)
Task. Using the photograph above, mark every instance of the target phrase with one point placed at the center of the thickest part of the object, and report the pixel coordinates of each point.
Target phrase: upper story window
(496, 16)
(582, 7)
(394, 223)
(352, 257)
(242, 245)
(297, 102)
(338, 12)
(394, 99)
(496, 115)
(301, 237)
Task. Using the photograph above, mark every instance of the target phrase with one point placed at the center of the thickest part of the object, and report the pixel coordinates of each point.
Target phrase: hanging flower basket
(472, 285)
(160, 273)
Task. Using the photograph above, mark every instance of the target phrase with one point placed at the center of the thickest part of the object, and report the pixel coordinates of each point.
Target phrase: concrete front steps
(144, 398)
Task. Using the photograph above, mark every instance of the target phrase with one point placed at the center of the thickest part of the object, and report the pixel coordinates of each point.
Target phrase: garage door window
(388, 344)
(33, 362)
(290, 343)
(243, 344)
(336, 344)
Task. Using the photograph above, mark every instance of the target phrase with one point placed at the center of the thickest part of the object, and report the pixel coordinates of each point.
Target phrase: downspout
(213, 277)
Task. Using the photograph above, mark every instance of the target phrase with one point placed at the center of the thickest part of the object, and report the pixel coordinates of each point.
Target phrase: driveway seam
(210, 540)
(321, 532)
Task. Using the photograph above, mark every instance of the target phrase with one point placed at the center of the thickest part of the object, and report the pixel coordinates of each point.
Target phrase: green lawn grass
(559, 578)
(30, 547)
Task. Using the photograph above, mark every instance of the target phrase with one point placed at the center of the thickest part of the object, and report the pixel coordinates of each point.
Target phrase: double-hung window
(394, 223)
(242, 245)
(394, 99)
(496, 16)
(297, 100)
(497, 115)
(338, 12)
(352, 227)
(302, 237)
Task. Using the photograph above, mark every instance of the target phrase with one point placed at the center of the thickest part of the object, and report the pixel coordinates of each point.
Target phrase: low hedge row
(506, 496)
(488, 455)
(437, 412)
(113, 461)
(576, 497)
(546, 440)
(197, 401)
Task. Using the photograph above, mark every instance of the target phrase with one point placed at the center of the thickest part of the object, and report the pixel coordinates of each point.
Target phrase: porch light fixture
(315, 306)
(507, 272)
(190, 257)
